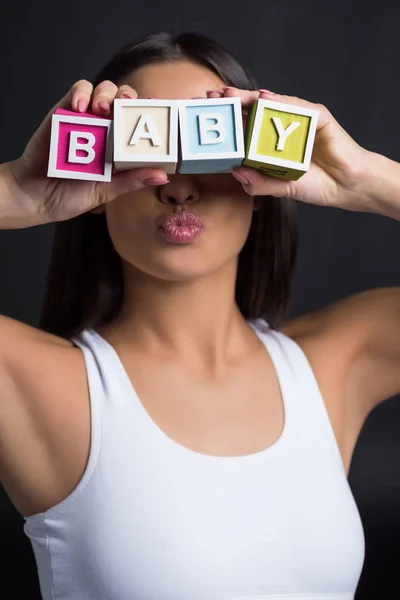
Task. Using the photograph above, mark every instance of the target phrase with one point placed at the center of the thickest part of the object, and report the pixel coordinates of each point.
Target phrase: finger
(103, 97)
(78, 97)
(132, 180)
(256, 184)
(126, 91)
(325, 116)
(248, 97)
(214, 94)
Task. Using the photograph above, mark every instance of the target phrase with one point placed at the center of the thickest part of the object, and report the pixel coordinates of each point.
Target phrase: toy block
(279, 139)
(145, 134)
(80, 146)
(211, 135)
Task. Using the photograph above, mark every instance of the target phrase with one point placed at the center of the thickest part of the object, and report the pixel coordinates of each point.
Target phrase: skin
(179, 318)
(171, 289)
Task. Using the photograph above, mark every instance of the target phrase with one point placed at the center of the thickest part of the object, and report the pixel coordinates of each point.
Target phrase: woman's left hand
(338, 169)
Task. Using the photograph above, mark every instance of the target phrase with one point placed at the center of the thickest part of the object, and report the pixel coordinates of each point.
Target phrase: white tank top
(153, 520)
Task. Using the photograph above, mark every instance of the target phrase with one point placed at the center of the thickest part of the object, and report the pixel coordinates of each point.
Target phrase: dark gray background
(342, 54)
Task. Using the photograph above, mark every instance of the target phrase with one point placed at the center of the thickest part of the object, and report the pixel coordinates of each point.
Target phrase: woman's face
(225, 210)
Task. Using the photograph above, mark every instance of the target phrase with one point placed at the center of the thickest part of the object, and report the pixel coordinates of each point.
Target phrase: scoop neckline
(255, 457)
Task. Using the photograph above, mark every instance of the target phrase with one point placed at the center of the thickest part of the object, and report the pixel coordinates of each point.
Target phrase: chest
(155, 523)
(241, 414)
(244, 412)
(182, 531)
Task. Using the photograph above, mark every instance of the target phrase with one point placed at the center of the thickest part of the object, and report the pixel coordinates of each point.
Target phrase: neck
(196, 322)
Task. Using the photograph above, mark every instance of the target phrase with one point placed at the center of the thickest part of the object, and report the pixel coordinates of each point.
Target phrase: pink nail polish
(126, 95)
(104, 107)
(267, 92)
(155, 181)
(240, 178)
(82, 105)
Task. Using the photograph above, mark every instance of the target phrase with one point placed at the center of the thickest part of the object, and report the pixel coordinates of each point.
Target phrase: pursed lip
(179, 219)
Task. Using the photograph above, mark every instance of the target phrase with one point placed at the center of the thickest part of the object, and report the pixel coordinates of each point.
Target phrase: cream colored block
(145, 134)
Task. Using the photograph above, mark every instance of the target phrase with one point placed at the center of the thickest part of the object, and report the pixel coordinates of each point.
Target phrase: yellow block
(279, 139)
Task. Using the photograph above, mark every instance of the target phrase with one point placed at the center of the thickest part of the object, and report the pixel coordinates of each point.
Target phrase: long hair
(84, 285)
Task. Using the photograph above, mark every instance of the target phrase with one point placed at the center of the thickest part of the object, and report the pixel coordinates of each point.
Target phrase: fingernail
(240, 178)
(126, 95)
(82, 105)
(104, 107)
(155, 181)
(267, 92)
(217, 91)
(229, 87)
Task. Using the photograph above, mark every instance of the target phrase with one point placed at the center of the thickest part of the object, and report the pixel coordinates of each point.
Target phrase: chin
(180, 275)
(183, 269)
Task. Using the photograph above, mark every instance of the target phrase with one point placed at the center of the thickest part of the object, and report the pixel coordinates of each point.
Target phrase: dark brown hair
(84, 286)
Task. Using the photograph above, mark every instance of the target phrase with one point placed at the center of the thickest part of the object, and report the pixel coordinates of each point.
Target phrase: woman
(160, 436)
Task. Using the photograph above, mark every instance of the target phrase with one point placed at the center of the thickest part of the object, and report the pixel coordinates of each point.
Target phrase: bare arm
(28, 197)
(382, 187)
(373, 318)
(35, 371)
(361, 333)
(16, 211)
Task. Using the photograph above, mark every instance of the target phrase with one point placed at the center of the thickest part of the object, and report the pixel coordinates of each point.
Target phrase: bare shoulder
(365, 321)
(31, 358)
(43, 381)
(329, 340)
(357, 337)
(353, 347)
(15, 336)
(363, 309)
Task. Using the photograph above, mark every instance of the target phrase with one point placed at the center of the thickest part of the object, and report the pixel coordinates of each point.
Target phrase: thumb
(131, 180)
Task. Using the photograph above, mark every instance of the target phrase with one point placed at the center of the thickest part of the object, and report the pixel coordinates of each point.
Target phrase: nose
(180, 190)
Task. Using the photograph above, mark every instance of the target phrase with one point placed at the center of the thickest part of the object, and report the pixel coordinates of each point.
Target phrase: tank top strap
(96, 396)
(305, 409)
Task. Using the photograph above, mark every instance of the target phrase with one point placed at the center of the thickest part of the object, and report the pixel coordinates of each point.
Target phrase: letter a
(140, 133)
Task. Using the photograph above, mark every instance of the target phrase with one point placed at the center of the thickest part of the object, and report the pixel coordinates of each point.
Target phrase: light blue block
(211, 135)
(193, 129)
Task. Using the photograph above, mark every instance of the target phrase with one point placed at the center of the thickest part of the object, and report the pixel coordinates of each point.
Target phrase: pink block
(97, 165)
(59, 163)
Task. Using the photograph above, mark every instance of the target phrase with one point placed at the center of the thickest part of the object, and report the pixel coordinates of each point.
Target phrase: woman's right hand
(45, 199)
